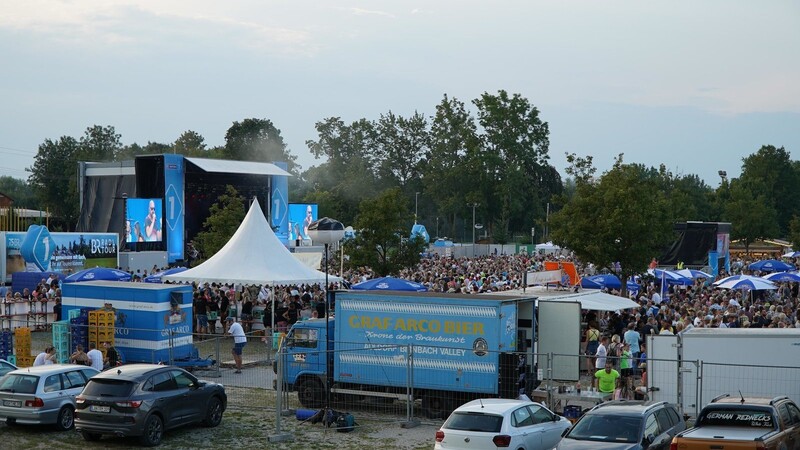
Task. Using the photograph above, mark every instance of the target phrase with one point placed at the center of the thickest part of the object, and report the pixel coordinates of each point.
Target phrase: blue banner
(279, 206)
(67, 252)
(173, 207)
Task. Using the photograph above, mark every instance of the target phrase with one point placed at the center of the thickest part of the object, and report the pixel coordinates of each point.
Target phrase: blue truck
(461, 347)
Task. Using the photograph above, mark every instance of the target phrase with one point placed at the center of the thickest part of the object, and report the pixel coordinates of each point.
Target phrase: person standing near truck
(239, 341)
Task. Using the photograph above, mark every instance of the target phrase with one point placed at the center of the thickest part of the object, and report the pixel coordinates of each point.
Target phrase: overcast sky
(695, 85)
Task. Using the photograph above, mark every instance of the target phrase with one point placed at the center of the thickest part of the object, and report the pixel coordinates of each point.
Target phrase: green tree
(402, 143)
(257, 140)
(516, 174)
(752, 217)
(53, 179)
(381, 235)
(190, 143)
(622, 217)
(223, 220)
(794, 232)
(453, 143)
(771, 174)
(20, 191)
(99, 143)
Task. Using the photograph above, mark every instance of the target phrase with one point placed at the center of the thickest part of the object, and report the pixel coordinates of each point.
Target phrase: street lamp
(416, 204)
(326, 231)
(473, 205)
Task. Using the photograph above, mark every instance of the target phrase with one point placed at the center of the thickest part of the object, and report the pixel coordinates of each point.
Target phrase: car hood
(573, 444)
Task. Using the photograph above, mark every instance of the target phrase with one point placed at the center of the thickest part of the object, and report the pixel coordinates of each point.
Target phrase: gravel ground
(240, 429)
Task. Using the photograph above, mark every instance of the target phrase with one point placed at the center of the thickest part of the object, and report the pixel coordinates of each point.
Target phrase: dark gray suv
(625, 425)
(145, 400)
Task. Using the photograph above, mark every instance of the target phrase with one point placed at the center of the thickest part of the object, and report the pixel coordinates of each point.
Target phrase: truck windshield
(302, 337)
(607, 428)
(730, 417)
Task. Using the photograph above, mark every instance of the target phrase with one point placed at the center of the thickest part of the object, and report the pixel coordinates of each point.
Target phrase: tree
(453, 142)
(190, 143)
(257, 140)
(223, 220)
(516, 173)
(402, 143)
(53, 178)
(752, 217)
(99, 143)
(619, 218)
(771, 175)
(794, 232)
(19, 190)
(381, 229)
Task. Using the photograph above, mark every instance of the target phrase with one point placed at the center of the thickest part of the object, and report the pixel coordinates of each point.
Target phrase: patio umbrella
(671, 277)
(389, 284)
(694, 274)
(782, 277)
(745, 282)
(603, 281)
(156, 277)
(791, 255)
(98, 273)
(770, 265)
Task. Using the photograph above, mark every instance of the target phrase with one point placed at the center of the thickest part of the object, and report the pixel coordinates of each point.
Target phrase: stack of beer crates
(22, 346)
(7, 346)
(101, 328)
(79, 329)
(61, 339)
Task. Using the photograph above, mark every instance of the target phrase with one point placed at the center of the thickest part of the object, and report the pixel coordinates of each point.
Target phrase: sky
(694, 85)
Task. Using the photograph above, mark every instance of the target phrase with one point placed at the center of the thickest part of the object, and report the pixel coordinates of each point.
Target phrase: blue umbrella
(745, 282)
(389, 284)
(694, 274)
(98, 273)
(670, 277)
(782, 277)
(602, 281)
(771, 265)
(791, 255)
(156, 277)
(633, 286)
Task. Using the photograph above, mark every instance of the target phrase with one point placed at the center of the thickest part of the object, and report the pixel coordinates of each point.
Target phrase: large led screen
(300, 217)
(143, 220)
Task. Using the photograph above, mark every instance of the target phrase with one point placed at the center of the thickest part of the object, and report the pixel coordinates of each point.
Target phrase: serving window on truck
(753, 418)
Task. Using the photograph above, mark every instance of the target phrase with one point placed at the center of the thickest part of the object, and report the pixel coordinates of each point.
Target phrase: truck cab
(306, 359)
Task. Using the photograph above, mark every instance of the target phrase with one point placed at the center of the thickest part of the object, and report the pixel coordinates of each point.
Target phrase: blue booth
(153, 322)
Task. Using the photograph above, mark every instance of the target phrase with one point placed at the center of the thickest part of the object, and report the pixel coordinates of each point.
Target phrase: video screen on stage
(300, 216)
(143, 220)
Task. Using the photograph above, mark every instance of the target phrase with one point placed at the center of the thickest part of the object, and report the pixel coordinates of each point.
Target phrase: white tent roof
(597, 301)
(254, 255)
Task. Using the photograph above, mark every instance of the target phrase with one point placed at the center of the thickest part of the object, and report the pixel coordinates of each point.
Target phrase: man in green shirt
(606, 379)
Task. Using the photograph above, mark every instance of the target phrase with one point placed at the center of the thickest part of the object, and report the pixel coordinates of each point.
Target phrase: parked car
(744, 423)
(6, 367)
(43, 394)
(144, 400)
(625, 425)
(495, 422)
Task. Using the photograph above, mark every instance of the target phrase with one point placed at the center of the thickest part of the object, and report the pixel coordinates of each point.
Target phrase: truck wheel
(434, 405)
(310, 392)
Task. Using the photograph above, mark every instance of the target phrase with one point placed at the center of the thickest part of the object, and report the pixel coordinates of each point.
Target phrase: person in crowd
(48, 356)
(601, 354)
(606, 379)
(239, 341)
(79, 356)
(95, 356)
(247, 312)
(112, 358)
(592, 343)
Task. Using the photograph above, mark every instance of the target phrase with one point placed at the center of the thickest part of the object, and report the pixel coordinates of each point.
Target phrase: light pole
(437, 227)
(327, 231)
(473, 205)
(416, 205)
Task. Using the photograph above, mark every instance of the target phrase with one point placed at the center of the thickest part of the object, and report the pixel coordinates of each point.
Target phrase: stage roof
(240, 167)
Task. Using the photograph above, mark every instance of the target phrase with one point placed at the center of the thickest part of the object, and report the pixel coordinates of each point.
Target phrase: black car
(625, 425)
(145, 400)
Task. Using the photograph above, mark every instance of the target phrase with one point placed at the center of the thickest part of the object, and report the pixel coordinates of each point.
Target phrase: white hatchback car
(501, 423)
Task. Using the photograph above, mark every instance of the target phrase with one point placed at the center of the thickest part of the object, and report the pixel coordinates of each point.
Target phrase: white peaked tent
(254, 255)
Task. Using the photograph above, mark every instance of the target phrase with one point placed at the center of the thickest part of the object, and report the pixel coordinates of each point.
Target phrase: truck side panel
(455, 344)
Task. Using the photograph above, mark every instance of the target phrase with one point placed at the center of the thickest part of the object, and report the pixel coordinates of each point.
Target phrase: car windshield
(19, 383)
(607, 428)
(108, 388)
(468, 421)
(734, 417)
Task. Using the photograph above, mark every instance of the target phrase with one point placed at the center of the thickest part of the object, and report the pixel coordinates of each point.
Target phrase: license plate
(12, 403)
(100, 409)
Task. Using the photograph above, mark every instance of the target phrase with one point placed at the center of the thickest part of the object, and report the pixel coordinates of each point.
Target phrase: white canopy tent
(254, 255)
(596, 301)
